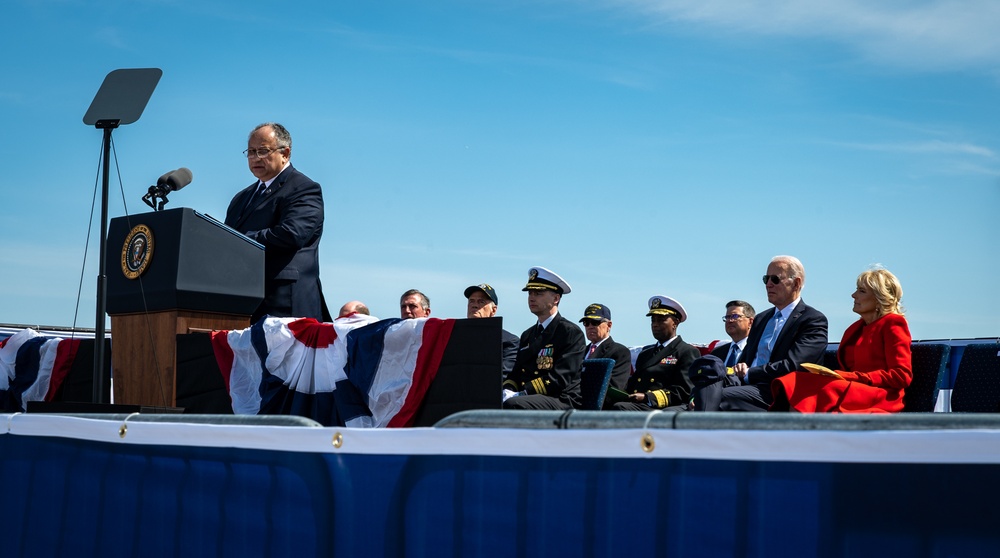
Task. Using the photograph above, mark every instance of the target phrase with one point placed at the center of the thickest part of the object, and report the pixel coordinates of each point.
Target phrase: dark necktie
(253, 198)
(733, 355)
(538, 331)
(590, 351)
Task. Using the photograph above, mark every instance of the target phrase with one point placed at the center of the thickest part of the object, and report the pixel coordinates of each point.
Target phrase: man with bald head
(282, 210)
(781, 339)
(353, 307)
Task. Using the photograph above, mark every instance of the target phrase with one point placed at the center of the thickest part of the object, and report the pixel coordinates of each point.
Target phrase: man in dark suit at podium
(283, 210)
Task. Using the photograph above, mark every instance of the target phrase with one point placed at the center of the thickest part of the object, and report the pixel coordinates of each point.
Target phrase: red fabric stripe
(224, 356)
(312, 333)
(65, 355)
(435, 338)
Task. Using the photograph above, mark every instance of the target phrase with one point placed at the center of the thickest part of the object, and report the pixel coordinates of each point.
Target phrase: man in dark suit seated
(483, 303)
(661, 378)
(597, 327)
(781, 339)
(547, 370)
(283, 210)
(738, 319)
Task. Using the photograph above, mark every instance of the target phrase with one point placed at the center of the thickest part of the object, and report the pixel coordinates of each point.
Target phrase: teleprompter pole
(120, 100)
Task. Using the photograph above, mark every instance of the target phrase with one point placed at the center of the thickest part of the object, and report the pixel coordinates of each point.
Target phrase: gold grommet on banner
(338, 440)
(648, 443)
(123, 429)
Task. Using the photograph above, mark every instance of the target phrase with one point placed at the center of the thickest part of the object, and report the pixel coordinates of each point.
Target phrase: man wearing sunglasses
(597, 327)
(283, 210)
(780, 340)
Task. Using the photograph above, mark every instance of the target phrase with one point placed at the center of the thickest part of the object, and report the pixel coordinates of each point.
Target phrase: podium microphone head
(163, 178)
(179, 179)
(175, 179)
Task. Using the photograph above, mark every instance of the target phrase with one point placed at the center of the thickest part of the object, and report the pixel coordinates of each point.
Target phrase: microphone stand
(156, 193)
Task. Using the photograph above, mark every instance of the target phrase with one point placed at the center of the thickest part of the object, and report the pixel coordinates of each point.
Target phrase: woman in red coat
(874, 354)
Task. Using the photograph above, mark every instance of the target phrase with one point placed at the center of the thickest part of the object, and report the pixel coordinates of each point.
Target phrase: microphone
(163, 178)
(175, 179)
(168, 182)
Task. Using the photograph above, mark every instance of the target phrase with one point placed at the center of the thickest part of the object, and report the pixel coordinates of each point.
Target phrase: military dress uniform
(546, 372)
(661, 369)
(662, 374)
(548, 363)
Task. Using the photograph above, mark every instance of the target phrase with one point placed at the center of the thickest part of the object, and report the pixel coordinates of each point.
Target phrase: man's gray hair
(282, 136)
(425, 302)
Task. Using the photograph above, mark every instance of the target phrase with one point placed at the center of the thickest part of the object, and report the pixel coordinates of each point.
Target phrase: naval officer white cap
(662, 305)
(540, 278)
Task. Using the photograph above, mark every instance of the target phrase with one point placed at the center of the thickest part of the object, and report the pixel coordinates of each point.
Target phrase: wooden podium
(173, 272)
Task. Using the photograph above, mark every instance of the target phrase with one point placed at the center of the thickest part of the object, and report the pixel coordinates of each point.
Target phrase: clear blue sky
(636, 147)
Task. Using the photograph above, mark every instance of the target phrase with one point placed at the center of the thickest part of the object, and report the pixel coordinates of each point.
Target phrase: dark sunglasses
(595, 323)
(774, 279)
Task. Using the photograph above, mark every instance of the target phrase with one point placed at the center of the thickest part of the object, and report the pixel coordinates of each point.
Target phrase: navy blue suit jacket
(287, 218)
(623, 361)
(803, 338)
(508, 348)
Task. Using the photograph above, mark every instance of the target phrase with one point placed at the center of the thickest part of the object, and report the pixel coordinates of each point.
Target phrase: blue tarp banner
(105, 496)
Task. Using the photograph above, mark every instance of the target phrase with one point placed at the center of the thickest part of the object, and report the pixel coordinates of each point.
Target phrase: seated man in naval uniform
(661, 378)
(547, 370)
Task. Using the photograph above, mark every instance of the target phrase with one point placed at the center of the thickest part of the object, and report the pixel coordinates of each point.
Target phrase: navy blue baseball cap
(486, 288)
(597, 312)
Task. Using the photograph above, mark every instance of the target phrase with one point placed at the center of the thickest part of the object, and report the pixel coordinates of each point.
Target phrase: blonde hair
(886, 288)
